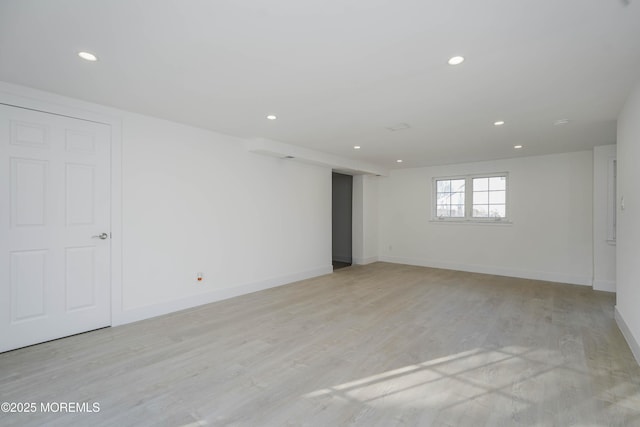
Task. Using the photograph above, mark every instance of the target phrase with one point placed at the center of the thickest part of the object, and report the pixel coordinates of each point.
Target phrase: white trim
(470, 222)
(365, 261)
(498, 271)
(282, 150)
(604, 285)
(611, 200)
(26, 97)
(628, 336)
(33, 99)
(146, 312)
(116, 223)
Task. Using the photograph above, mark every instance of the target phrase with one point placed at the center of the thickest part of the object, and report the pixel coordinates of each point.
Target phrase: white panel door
(54, 226)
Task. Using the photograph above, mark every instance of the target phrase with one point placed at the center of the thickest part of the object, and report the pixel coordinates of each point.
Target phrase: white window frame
(468, 200)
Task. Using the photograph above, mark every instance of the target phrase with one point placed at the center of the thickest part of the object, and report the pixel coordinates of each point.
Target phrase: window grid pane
(498, 183)
(480, 197)
(480, 211)
(480, 184)
(457, 211)
(497, 197)
(444, 186)
(497, 211)
(457, 185)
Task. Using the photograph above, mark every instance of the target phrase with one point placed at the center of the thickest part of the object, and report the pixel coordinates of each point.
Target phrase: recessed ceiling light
(399, 161)
(561, 122)
(517, 147)
(456, 60)
(88, 56)
(498, 123)
(271, 117)
(356, 147)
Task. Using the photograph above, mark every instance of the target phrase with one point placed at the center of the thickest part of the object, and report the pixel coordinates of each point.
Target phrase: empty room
(319, 213)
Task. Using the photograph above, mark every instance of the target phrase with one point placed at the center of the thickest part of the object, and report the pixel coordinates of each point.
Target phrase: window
(486, 196)
(450, 198)
(489, 197)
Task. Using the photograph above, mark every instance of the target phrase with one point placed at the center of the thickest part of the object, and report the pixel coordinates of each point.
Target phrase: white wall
(604, 250)
(550, 237)
(628, 241)
(357, 230)
(187, 200)
(196, 201)
(365, 219)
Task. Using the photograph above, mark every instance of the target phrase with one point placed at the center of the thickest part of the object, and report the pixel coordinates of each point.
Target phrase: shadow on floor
(337, 265)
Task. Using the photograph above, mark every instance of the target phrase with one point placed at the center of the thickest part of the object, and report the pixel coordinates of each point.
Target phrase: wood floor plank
(377, 345)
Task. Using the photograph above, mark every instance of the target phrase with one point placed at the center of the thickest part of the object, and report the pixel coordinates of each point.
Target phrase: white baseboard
(626, 332)
(146, 312)
(604, 285)
(498, 271)
(365, 261)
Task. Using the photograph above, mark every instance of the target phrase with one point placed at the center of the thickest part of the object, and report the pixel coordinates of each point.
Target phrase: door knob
(102, 236)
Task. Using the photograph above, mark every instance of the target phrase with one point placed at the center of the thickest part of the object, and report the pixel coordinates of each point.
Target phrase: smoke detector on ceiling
(399, 126)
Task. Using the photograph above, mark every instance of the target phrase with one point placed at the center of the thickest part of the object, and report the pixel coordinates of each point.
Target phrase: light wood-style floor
(377, 345)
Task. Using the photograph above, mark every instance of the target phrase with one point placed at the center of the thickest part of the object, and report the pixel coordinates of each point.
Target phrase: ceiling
(339, 73)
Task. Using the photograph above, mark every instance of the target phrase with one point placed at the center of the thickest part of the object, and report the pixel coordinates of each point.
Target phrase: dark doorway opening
(341, 213)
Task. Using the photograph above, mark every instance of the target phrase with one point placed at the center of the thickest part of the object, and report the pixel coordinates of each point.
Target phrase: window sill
(469, 222)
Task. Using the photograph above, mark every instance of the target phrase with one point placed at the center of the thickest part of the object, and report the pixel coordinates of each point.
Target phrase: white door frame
(24, 97)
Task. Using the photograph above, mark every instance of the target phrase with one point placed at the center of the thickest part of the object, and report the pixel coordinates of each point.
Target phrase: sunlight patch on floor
(454, 380)
(196, 424)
